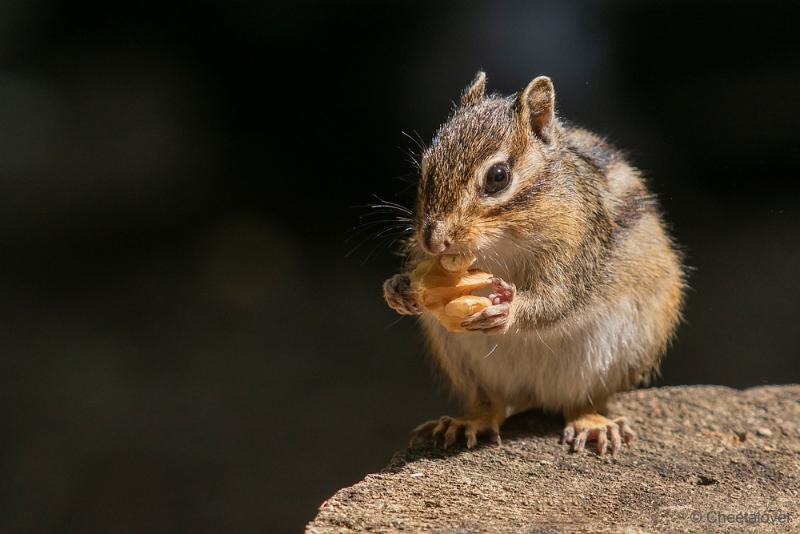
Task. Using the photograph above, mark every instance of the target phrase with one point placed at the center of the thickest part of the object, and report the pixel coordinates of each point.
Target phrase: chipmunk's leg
(484, 418)
(588, 425)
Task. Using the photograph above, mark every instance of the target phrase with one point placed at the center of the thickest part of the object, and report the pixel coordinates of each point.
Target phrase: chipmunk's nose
(434, 237)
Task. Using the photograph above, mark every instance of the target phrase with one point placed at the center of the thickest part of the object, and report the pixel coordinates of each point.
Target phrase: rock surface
(701, 462)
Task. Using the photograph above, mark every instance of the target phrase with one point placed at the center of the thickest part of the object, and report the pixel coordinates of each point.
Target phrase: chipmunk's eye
(497, 178)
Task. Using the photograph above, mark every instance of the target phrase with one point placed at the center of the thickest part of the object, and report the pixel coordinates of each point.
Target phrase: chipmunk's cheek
(463, 238)
(478, 241)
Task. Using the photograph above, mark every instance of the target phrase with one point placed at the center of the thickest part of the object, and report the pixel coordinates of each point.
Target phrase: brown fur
(580, 205)
(577, 230)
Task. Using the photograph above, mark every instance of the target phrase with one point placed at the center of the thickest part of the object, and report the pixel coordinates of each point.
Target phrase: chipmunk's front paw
(502, 291)
(491, 320)
(595, 428)
(446, 430)
(495, 318)
(399, 297)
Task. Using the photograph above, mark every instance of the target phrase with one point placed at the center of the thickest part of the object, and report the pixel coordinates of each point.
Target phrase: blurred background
(185, 346)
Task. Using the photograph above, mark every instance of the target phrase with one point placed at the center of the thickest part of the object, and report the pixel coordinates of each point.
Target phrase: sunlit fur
(599, 282)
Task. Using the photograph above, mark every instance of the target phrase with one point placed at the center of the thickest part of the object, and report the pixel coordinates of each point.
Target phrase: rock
(689, 469)
(764, 432)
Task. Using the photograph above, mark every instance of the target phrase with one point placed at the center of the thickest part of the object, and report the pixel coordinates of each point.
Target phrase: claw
(420, 433)
(625, 429)
(440, 428)
(602, 443)
(471, 433)
(450, 435)
(580, 441)
(445, 431)
(608, 435)
(616, 442)
(569, 434)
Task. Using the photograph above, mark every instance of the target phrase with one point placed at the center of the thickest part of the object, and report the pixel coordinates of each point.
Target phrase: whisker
(545, 343)
(384, 212)
(409, 178)
(390, 203)
(388, 326)
(386, 222)
(375, 222)
(383, 243)
(394, 235)
(402, 231)
(358, 232)
(416, 140)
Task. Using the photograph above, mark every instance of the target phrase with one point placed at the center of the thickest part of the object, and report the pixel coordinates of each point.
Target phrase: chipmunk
(588, 284)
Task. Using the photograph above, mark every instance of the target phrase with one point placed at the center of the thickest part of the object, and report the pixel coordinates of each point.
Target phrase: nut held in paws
(444, 285)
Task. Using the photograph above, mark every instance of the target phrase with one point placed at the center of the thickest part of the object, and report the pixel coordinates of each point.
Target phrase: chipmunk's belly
(551, 369)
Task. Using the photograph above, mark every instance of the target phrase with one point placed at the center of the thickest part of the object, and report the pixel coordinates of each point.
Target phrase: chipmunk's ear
(474, 91)
(536, 107)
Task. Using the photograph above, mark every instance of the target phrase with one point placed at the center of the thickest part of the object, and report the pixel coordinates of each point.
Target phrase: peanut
(444, 284)
(463, 307)
(455, 263)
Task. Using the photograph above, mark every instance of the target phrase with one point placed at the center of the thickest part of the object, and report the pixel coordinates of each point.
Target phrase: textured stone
(699, 463)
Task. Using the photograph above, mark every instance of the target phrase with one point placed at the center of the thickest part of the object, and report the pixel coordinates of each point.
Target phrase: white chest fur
(576, 364)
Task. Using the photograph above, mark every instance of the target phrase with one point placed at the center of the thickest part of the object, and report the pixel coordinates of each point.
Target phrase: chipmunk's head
(485, 169)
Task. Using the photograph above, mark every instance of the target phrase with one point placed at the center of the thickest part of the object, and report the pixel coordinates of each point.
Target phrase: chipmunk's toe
(446, 430)
(605, 433)
(502, 291)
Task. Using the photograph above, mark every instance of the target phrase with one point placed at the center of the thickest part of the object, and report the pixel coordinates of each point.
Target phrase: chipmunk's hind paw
(446, 430)
(594, 428)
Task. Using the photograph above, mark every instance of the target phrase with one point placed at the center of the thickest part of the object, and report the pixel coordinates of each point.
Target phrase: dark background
(185, 346)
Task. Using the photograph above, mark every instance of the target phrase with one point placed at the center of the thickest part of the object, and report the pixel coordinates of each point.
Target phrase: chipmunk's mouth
(447, 246)
(440, 236)
(459, 250)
